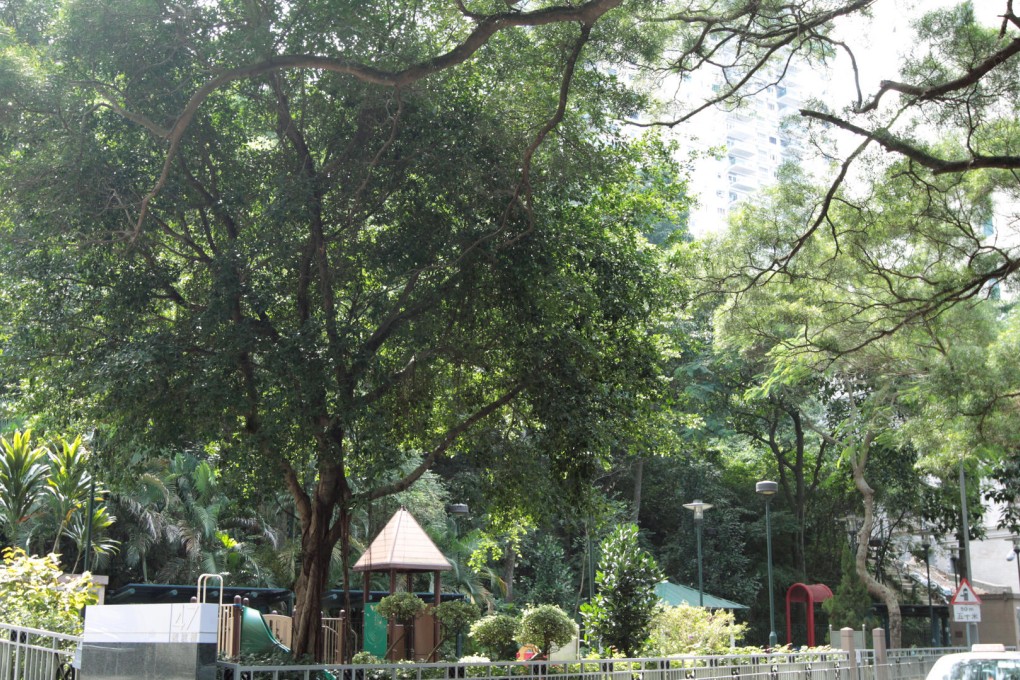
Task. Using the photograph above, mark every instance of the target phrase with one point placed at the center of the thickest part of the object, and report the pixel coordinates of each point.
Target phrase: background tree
(619, 615)
(850, 604)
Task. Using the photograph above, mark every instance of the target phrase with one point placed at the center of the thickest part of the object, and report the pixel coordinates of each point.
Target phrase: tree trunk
(639, 467)
(509, 562)
(316, 552)
(875, 589)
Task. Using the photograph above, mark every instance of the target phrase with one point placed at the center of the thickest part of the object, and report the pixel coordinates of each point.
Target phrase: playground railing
(33, 654)
(228, 641)
(282, 627)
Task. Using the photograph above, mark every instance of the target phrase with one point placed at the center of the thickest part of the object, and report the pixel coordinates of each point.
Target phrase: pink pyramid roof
(402, 545)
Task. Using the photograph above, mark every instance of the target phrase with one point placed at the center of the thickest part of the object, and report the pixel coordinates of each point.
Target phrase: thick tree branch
(971, 77)
(937, 165)
(440, 449)
(586, 13)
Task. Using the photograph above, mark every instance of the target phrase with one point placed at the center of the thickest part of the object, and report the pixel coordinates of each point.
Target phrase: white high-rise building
(740, 149)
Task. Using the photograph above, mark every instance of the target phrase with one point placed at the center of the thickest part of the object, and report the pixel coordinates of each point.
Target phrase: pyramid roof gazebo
(403, 547)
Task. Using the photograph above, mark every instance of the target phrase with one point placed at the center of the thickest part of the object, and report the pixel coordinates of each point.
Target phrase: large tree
(253, 237)
(879, 383)
(331, 237)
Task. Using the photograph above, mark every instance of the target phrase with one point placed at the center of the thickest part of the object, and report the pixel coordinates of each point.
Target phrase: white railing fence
(32, 654)
(808, 666)
(907, 664)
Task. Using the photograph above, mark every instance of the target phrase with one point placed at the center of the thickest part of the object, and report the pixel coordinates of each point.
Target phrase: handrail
(203, 582)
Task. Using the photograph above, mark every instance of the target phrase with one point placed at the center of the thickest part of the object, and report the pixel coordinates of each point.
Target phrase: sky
(883, 40)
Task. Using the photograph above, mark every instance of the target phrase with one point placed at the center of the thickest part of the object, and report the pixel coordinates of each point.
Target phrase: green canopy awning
(675, 595)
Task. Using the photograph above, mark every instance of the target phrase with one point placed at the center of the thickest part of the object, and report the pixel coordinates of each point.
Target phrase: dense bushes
(33, 595)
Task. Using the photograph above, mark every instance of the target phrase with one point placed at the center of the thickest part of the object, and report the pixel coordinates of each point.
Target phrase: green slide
(256, 637)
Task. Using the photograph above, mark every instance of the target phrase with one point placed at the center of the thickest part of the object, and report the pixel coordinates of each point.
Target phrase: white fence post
(881, 658)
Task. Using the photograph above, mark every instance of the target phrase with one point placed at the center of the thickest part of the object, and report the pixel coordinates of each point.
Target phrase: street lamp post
(954, 561)
(1016, 556)
(699, 509)
(926, 546)
(768, 490)
(457, 510)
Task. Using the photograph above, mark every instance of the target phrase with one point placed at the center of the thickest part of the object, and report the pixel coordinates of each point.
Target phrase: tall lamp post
(699, 509)
(1016, 555)
(954, 561)
(768, 490)
(926, 546)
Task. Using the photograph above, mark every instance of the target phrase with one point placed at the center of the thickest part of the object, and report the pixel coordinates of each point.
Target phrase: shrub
(692, 630)
(620, 613)
(495, 633)
(32, 594)
(850, 605)
(545, 626)
(364, 658)
(475, 671)
(457, 615)
(401, 606)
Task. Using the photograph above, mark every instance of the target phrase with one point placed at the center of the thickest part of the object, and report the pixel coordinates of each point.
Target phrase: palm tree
(102, 546)
(478, 585)
(23, 473)
(182, 514)
(68, 484)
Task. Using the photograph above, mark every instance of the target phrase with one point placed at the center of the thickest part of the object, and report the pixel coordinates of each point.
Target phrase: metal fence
(32, 654)
(815, 665)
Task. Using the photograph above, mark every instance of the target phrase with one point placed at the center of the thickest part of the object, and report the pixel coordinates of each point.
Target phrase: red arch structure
(810, 596)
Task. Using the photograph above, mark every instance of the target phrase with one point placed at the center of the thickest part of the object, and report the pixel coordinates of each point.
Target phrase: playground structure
(248, 622)
(245, 630)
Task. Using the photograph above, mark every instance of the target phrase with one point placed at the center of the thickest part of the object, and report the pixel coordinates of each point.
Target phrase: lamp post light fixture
(768, 490)
(926, 546)
(699, 509)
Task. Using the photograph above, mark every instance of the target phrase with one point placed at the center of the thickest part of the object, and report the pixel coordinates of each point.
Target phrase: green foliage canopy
(495, 634)
(326, 271)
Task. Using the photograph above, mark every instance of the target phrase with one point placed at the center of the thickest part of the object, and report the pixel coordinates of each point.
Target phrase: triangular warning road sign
(965, 594)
